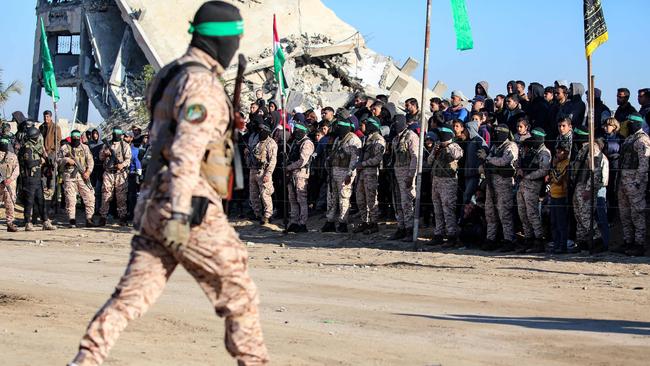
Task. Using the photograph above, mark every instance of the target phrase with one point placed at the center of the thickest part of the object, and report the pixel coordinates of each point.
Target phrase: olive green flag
(464, 39)
(49, 80)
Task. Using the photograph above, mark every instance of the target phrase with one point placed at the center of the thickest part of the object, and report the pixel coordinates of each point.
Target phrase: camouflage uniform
(634, 179)
(535, 169)
(8, 170)
(73, 181)
(405, 161)
(367, 184)
(115, 178)
(263, 157)
(499, 195)
(299, 169)
(195, 102)
(344, 157)
(581, 178)
(444, 188)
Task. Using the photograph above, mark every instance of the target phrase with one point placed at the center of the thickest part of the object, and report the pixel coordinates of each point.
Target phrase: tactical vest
(444, 166)
(370, 143)
(78, 155)
(530, 162)
(31, 161)
(503, 171)
(259, 158)
(340, 158)
(402, 155)
(629, 157)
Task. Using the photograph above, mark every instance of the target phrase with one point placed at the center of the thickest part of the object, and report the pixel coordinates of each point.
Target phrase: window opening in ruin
(68, 45)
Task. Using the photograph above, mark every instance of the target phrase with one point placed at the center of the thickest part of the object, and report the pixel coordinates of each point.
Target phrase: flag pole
(55, 199)
(592, 166)
(285, 221)
(423, 126)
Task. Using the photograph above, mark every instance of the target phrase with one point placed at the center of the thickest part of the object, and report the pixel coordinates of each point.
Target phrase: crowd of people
(509, 173)
(52, 172)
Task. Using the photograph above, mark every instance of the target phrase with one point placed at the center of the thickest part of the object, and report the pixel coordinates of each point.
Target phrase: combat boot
(399, 234)
(264, 221)
(507, 246)
(637, 250)
(329, 227)
(73, 224)
(360, 228)
(342, 228)
(124, 221)
(489, 245)
(436, 240)
(538, 247)
(11, 227)
(623, 248)
(302, 229)
(102, 222)
(371, 229)
(408, 235)
(89, 222)
(29, 226)
(47, 226)
(293, 228)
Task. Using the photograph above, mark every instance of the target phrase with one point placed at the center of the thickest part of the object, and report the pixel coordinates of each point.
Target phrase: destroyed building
(101, 48)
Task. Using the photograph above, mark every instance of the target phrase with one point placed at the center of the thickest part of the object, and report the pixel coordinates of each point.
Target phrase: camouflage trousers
(299, 209)
(338, 196)
(528, 208)
(404, 198)
(114, 183)
(260, 194)
(631, 201)
(217, 260)
(366, 194)
(582, 210)
(498, 207)
(8, 197)
(71, 187)
(444, 192)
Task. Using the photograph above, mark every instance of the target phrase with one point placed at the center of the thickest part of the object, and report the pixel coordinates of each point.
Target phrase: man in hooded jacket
(578, 106)
(533, 167)
(538, 107)
(182, 218)
(499, 170)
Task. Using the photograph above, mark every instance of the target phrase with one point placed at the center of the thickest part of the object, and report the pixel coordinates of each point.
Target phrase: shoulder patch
(196, 113)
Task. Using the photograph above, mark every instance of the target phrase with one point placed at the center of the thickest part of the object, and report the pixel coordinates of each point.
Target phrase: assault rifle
(78, 169)
(112, 162)
(237, 182)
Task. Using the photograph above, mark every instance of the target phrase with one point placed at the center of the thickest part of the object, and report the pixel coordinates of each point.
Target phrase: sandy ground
(332, 299)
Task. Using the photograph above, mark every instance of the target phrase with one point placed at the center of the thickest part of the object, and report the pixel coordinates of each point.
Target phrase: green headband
(374, 122)
(218, 29)
(635, 118)
(445, 129)
(75, 134)
(578, 131)
(118, 131)
(345, 124)
(4, 141)
(301, 127)
(538, 133)
(502, 129)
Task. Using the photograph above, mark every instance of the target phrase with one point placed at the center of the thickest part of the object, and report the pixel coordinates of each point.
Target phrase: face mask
(75, 142)
(299, 134)
(264, 134)
(4, 147)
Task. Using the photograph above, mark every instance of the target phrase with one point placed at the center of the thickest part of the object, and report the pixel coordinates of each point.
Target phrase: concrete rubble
(327, 59)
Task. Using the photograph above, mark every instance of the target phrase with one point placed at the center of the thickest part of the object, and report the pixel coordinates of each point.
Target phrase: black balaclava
(216, 29)
(445, 133)
(117, 134)
(265, 131)
(635, 123)
(501, 134)
(536, 139)
(580, 135)
(343, 127)
(399, 123)
(4, 145)
(372, 126)
(32, 134)
(299, 131)
(75, 138)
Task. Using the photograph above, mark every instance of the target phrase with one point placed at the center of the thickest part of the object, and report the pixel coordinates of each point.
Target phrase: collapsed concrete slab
(327, 59)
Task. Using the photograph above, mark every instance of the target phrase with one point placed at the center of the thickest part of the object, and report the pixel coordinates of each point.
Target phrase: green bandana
(301, 127)
(538, 133)
(118, 131)
(635, 118)
(374, 122)
(445, 129)
(218, 29)
(345, 124)
(75, 134)
(578, 131)
(4, 141)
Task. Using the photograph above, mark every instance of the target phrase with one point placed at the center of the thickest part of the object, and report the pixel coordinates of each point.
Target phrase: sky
(538, 41)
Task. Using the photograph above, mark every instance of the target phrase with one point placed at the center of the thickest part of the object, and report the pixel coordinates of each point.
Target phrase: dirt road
(335, 300)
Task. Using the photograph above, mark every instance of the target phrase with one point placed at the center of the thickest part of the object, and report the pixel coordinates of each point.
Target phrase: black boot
(538, 247)
(302, 229)
(342, 228)
(437, 240)
(360, 228)
(408, 235)
(89, 222)
(124, 221)
(489, 245)
(623, 248)
(329, 227)
(507, 246)
(636, 250)
(371, 229)
(399, 234)
(293, 228)
(73, 224)
(102, 222)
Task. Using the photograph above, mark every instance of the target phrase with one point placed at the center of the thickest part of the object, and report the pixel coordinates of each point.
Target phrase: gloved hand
(481, 154)
(176, 232)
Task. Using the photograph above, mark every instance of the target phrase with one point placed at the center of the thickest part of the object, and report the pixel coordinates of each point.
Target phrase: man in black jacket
(513, 111)
(624, 107)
